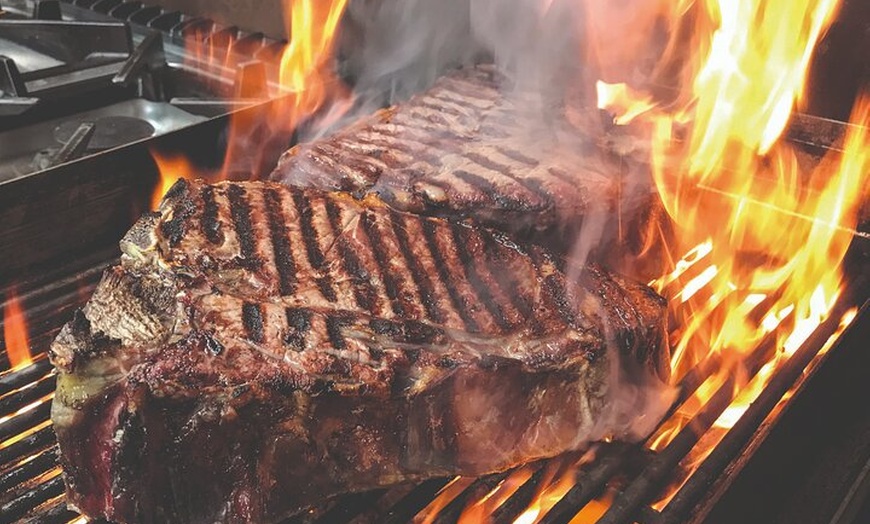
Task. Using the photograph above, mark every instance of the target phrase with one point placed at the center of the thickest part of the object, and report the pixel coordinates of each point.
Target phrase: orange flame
(480, 510)
(171, 168)
(304, 82)
(449, 492)
(621, 99)
(757, 228)
(15, 333)
(548, 498)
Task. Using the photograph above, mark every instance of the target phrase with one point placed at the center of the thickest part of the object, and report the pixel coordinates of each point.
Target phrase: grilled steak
(261, 347)
(463, 149)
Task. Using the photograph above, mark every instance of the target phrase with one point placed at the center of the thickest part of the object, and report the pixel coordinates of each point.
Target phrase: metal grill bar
(415, 501)
(34, 467)
(21, 505)
(650, 480)
(11, 381)
(590, 483)
(520, 499)
(54, 512)
(26, 446)
(26, 395)
(21, 423)
(737, 437)
(476, 490)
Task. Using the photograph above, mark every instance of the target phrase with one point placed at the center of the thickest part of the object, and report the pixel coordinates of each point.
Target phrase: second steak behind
(464, 148)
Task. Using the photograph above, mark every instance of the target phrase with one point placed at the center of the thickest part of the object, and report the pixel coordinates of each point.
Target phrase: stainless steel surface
(77, 144)
(129, 69)
(26, 58)
(266, 16)
(19, 147)
(148, 55)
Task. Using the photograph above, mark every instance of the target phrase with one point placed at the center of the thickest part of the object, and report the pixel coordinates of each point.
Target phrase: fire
(306, 82)
(15, 333)
(171, 169)
(479, 510)
(302, 83)
(756, 230)
(548, 498)
(449, 492)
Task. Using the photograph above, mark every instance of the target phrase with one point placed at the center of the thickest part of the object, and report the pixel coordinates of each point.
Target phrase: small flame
(479, 510)
(594, 510)
(15, 333)
(627, 104)
(548, 498)
(171, 169)
(449, 492)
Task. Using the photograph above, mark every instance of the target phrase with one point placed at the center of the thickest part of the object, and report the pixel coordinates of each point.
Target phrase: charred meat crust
(209, 388)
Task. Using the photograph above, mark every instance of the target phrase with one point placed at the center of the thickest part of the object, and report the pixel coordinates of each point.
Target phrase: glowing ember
(15, 333)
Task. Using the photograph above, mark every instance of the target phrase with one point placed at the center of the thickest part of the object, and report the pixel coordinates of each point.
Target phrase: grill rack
(33, 489)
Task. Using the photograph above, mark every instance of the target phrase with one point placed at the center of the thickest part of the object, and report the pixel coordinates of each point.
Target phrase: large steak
(260, 348)
(463, 148)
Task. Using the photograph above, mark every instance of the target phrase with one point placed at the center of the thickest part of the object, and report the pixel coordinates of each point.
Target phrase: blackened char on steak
(260, 348)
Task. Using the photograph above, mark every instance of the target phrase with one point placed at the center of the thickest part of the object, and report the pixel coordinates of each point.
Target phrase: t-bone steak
(260, 348)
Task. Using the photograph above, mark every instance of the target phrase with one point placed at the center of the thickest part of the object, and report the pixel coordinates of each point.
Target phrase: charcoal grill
(54, 260)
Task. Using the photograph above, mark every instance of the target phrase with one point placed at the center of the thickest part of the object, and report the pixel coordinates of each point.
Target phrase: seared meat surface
(465, 149)
(262, 347)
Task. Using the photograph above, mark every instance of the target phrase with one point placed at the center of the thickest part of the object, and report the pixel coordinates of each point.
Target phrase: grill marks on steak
(330, 251)
(336, 251)
(460, 149)
(272, 346)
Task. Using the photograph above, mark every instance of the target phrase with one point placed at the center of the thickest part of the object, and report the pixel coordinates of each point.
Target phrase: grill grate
(632, 477)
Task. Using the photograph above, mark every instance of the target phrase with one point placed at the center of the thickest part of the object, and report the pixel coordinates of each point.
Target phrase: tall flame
(305, 82)
(730, 182)
(15, 333)
(756, 227)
